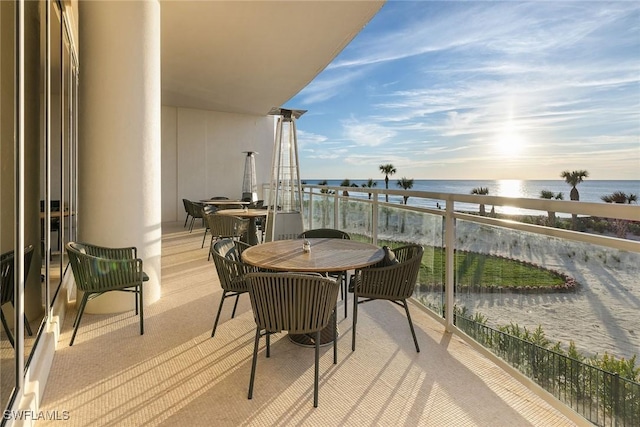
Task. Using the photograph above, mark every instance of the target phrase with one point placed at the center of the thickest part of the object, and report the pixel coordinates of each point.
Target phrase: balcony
(177, 375)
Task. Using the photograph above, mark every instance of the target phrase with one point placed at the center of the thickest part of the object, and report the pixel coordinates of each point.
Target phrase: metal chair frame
(231, 272)
(225, 227)
(395, 283)
(99, 269)
(293, 302)
(332, 233)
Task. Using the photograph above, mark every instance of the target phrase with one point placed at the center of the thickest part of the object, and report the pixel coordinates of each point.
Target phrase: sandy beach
(601, 316)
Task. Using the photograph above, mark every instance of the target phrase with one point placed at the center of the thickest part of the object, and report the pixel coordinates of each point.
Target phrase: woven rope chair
(225, 227)
(394, 282)
(98, 269)
(196, 210)
(332, 233)
(187, 209)
(297, 303)
(231, 272)
(7, 269)
(207, 210)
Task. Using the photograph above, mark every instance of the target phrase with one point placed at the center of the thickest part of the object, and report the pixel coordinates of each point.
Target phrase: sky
(479, 90)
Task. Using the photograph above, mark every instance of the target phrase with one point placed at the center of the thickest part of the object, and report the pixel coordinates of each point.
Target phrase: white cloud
(368, 134)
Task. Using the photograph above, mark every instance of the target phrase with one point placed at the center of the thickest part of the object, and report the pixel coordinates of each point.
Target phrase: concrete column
(119, 136)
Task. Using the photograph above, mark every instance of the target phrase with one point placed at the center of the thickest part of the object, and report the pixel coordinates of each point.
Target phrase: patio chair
(297, 303)
(196, 210)
(207, 209)
(187, 209)
(393, 279)
(231, 272)
(332, 233)
(7, 268)
(225, 226)
(98, 269)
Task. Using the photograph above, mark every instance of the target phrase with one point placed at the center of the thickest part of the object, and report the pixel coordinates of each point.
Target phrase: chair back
(392, 282)
(100, 269)
(227, 260)
(330, 233)
(298, 303)
(223, 226)
(7, 269)
(197, 210)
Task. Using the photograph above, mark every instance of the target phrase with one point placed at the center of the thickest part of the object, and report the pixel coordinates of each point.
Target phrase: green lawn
(481, 270)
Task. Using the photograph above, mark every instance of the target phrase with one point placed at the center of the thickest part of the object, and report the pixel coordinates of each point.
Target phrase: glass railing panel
(398, 226)
(563, 312)
(356, 218)
(321, 211)
(574, 291)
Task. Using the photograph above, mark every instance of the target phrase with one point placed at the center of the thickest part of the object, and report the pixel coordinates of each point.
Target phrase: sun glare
(509, 143)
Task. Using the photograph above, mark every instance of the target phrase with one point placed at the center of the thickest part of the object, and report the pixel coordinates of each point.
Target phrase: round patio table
(252, 215)
(326, 255)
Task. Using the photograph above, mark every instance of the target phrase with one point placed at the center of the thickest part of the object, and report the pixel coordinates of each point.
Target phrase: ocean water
(590, 190)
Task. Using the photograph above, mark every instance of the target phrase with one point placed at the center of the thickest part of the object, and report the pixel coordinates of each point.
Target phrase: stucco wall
(202, 155)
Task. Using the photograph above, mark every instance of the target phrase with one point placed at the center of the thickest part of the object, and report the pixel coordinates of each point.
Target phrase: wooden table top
(56, 214)
(325, 255)
(222, 202)
(243, 213)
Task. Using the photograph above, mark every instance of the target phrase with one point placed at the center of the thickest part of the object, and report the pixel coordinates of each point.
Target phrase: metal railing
(595, 315)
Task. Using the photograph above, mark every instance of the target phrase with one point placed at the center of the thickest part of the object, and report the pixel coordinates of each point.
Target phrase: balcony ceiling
(249, 56)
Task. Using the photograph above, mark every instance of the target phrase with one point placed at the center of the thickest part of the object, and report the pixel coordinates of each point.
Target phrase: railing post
(336, 210)
(310, 210)
(449, 243)
(374, 220)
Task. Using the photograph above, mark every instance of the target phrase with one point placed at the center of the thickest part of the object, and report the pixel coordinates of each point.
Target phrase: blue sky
(479, 90)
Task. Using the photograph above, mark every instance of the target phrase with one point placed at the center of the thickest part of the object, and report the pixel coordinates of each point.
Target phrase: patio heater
(284, 216)
(249, 183)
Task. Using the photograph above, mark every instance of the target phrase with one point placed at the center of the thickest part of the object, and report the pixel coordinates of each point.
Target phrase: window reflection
(48, 181)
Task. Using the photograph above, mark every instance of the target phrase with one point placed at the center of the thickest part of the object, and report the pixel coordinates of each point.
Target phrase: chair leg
(215, 324)
(413, 332)
(204, 237)
(316, 371)
(335, 336)
(233, 313)
(141, 311)
(76, 323)
(345, 292)
(26, 325)
(355, 321)
(185, 221)
(7, 329)
(253, 363)
(268, 344)
(210, 247)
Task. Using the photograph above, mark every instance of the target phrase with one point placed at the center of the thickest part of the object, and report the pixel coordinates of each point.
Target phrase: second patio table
(326, 255)
(252, 215)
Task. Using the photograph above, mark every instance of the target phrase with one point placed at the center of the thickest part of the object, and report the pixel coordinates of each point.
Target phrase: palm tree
(483, 191)
(620, 197)
(347, 183)
(573, 179)
(546, 194)
(387, 170)
(405, 184)
(369, 184)
(324, 190)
